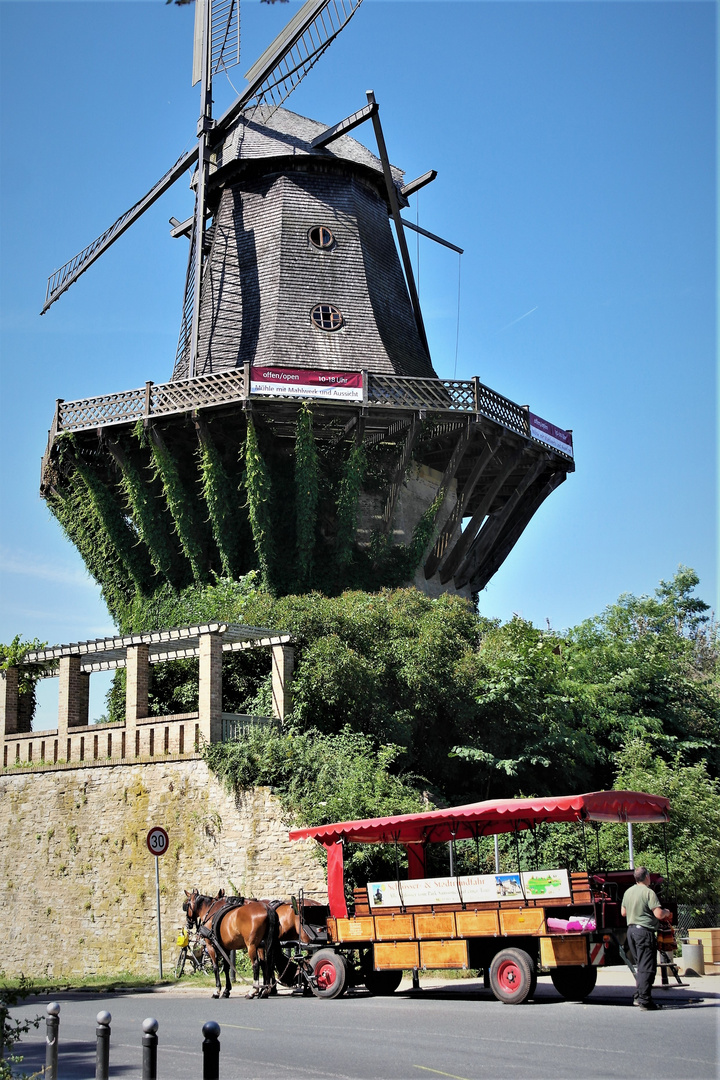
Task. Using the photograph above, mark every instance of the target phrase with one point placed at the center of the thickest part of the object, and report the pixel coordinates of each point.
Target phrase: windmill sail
(286, 62)
(224, 36)
(63, 278)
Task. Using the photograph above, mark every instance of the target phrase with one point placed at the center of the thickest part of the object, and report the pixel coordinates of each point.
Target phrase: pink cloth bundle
(576, 925)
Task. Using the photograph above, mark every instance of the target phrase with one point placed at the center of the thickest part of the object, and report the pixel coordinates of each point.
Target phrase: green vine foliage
(323, 777)
(259, 494)
(180, 505)
(223, 505)
(347, 506)
(306, 496)
(85, 528)
(11, 655)
(124, 540)
(143, 505)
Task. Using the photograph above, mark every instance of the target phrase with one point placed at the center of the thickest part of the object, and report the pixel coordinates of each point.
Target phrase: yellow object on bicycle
(183, 938)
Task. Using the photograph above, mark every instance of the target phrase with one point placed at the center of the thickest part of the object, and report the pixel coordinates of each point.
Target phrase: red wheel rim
(509, 977)
(325, 974)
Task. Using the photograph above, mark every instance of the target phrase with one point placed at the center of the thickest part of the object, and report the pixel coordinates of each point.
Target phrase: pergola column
(73, 696)
(210, 688)
(137, 684)
(9, 702)
(283, 661)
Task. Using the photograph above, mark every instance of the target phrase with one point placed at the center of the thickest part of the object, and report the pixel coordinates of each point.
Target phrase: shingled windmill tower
(304, 430)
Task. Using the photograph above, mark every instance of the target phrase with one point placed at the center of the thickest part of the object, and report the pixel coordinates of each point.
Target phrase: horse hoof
(216, 995)
(251, 994)
(226, 993)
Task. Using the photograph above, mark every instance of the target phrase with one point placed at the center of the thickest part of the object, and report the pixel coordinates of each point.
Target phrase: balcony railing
(227, 387)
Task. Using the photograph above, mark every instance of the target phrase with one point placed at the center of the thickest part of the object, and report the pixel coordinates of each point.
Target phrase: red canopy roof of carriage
(487, 818)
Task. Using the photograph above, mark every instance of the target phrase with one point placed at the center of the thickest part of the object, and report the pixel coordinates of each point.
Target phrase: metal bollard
(102, 1053)
(149, 1052)
(51, 1040)
(211, 1050)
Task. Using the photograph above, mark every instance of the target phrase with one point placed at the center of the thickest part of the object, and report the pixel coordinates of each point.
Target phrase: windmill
(296, 291)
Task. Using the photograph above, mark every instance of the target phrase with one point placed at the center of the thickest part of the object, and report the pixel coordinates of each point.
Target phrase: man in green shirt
(643, 912)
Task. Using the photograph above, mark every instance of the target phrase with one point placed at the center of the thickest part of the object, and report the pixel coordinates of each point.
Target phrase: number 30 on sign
(157, 841)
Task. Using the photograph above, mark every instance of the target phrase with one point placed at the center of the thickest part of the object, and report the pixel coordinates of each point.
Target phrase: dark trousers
(644, 947)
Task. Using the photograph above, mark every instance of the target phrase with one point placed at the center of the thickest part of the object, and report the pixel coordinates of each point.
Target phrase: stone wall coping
(163, 719)
(99, 763)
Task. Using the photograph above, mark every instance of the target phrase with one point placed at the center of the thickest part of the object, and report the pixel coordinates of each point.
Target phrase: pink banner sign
(300, 382)
(553, 436)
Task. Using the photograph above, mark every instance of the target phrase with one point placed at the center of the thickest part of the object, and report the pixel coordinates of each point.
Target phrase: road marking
(242, 1027)
(439, 1073)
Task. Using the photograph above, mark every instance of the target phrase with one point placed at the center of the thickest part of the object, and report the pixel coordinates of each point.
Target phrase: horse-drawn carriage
(511, 926)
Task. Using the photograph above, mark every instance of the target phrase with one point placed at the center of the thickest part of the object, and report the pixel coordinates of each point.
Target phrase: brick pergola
(74, 663)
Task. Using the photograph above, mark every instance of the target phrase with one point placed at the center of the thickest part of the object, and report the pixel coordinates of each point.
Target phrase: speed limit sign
(157, 841)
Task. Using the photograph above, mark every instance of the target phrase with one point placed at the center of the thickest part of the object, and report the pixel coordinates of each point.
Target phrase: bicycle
(197, 954)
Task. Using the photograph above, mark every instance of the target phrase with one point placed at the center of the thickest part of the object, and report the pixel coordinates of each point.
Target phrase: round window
(321, 236)
(326, 317)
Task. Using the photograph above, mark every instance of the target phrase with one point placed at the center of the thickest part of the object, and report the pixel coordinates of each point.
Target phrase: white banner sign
(301, 382)
(475, 888)
(551, 434)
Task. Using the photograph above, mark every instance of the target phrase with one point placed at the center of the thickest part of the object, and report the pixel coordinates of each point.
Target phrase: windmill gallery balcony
(140, 736)
(485, 461)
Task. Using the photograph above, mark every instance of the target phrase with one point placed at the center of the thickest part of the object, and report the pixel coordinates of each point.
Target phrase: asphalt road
(452, 1029)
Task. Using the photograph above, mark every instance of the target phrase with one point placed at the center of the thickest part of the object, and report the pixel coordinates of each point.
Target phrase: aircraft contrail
(519, 319)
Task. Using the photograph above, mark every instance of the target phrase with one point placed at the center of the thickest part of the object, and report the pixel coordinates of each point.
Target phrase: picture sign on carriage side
(302, 382)
(474, 888)
(157, 841)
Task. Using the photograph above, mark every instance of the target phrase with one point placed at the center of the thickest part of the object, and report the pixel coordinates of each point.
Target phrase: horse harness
(227, 904)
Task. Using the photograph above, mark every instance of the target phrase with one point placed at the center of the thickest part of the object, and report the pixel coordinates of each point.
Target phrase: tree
(693, 831)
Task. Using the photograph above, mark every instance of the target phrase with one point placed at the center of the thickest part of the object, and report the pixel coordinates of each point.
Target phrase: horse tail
(272, 934)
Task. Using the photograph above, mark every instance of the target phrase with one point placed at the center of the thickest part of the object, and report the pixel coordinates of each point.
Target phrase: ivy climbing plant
(108, 508)
(347, 506)
(306, 496)
(223, 504)
(259, 497)
(143, 505)
(180, 503)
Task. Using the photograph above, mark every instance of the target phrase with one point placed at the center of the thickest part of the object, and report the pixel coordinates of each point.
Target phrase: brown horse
(249, 925)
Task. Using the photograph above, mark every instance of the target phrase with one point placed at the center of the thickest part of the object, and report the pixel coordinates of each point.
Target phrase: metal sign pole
(157, 842)
(157, 898)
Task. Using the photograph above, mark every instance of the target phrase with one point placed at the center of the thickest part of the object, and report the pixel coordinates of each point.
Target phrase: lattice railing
(224, 387)
(502, 410)
(120, 408)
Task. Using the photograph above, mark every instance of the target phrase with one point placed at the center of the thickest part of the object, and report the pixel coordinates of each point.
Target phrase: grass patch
(123, 980)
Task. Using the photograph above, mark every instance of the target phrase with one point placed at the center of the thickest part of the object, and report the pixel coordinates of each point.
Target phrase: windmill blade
(63, 278)
(224, 36)
(286, 62)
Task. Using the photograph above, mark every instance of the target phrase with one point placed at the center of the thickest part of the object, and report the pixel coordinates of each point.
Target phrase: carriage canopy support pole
(631, 849)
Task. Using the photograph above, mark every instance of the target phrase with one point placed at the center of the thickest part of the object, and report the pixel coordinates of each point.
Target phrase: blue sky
(575, 147)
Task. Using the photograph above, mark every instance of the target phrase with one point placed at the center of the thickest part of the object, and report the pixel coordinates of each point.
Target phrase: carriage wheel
(330, 974)
(180, 966)
(574, 983)
(511, 976)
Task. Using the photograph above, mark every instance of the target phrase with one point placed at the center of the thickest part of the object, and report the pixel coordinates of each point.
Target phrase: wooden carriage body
(554, 919)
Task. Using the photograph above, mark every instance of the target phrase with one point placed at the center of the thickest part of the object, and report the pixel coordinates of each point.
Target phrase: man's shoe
(650, 1007)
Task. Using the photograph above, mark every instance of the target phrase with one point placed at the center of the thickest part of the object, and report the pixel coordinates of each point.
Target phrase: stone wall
(79, 881)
